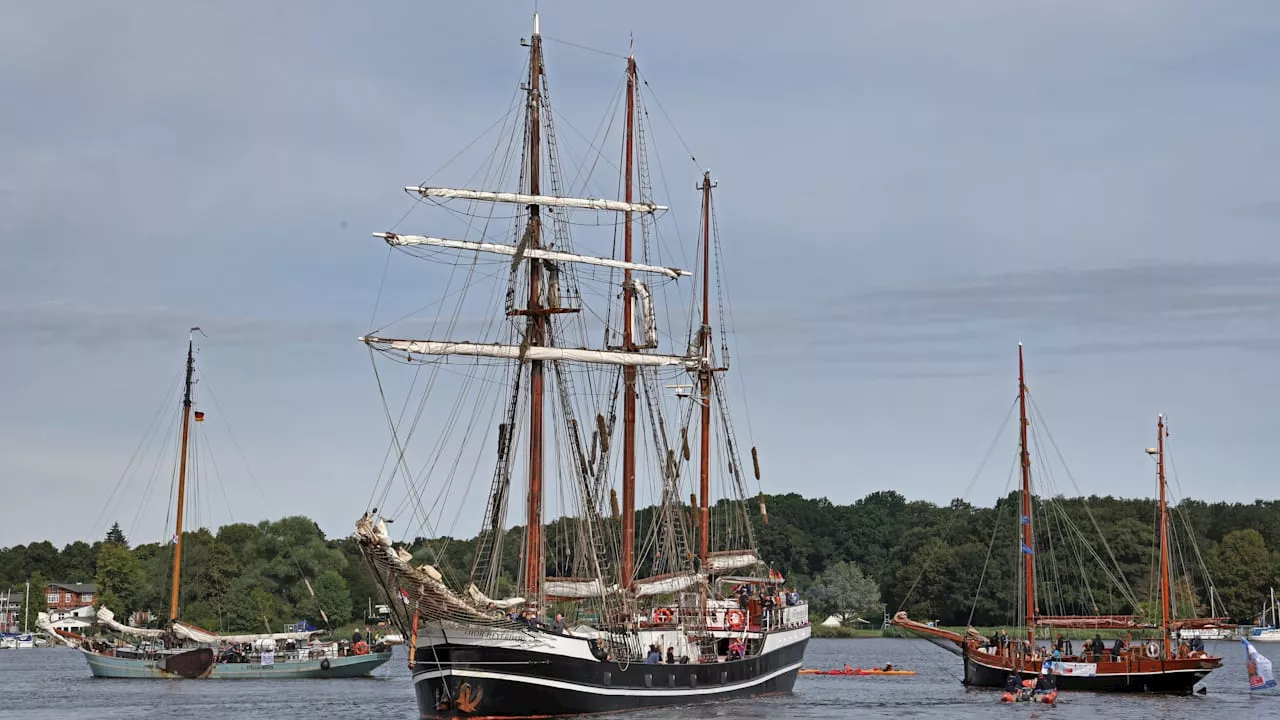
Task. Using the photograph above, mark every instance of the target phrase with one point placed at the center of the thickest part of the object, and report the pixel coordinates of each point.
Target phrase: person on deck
(654, 657)
(1117, 649)
(888, 667)
(1097, 647)
(1011, 683)
(671, 656)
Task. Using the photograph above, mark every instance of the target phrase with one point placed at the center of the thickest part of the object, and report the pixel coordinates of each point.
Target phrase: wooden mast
(1166, 612)
(704, 471)
(535, 328)
(1028, 560)
(628, 345)
(182, 479)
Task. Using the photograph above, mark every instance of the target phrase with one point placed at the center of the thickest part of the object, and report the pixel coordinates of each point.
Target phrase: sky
(907, 191)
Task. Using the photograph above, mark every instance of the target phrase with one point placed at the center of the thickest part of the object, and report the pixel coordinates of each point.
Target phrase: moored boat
(181, 650)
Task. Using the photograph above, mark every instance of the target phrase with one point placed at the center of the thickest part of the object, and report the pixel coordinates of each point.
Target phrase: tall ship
(180, 649)
(590, 602)
(1151, 654)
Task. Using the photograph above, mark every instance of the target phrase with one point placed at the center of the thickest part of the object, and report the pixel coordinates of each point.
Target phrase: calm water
(55, 683)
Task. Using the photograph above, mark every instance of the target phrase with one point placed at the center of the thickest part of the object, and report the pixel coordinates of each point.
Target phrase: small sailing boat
(597, 597)
(1267, 631)
(1258, 666)
(1162, 665)
(183, 650)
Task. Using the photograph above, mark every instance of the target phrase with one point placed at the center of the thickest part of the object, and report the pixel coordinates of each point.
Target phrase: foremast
(627, 571)
(1028, 543)
(1166, 610)
(536, 328)
(182, 477)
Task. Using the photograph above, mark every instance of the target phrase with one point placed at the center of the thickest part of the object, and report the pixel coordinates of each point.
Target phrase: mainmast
(628, 345)
(182, 477)
(535, 328)
(1166, 612)
(1028, 548)
(704, 471)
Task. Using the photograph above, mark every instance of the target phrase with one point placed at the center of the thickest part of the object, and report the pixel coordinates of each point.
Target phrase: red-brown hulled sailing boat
(1156, 665)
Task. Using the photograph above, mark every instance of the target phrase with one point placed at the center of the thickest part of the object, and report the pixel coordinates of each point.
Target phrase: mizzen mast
(535, 328)
(704, 469)
(182, 477)
(1028, 546)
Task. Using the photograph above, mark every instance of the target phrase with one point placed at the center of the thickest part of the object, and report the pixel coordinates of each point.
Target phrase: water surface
(51, 683)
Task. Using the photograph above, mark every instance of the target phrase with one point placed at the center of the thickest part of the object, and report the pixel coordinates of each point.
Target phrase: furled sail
(487, 601)
(43, 622)
(543, 200)
(534, 352)
(568, 588)
(108, 618)
(731, 560)
(200, 635)
(671, 583)
(535, 253)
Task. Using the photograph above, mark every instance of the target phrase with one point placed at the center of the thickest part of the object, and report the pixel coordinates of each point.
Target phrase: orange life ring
(662, 616)
(361, 648)
(734, 618)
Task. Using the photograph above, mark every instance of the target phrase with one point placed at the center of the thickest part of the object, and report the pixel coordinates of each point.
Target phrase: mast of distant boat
(536, 326)
(182, 477)
(1028, 547)
(1166, 612)
(26, 613)
(628, 345)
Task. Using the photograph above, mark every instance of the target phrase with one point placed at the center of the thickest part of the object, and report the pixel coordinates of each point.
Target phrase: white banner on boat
(268, 658)
(1071, 668)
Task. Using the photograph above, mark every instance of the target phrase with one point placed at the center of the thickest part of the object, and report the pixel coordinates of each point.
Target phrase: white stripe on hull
(596, 690)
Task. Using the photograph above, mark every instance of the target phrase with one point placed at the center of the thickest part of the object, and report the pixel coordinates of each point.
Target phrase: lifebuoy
(324, 664)
(362, 648)
(734, 618)
(1153, 649)
(662, 616)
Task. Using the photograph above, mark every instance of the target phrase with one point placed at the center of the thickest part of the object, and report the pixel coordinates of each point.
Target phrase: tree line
(879, 553)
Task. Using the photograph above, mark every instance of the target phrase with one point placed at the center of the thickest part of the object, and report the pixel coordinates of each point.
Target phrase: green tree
(79, 562)
(120, 579)
(842, 590)
(116, 535)
(331, 597)
(1243, 570)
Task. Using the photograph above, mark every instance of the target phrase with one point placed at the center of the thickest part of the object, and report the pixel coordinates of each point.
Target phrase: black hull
(1179, 682)
(470, 680)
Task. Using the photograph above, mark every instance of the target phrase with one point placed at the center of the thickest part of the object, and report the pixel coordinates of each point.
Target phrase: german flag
(199, 416)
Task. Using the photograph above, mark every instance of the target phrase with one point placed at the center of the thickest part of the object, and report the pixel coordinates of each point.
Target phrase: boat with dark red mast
(1156, 661)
